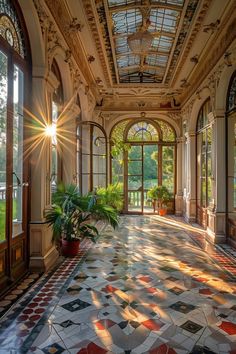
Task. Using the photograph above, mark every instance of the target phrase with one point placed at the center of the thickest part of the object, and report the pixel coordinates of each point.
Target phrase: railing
(135, 199)
(3, 193)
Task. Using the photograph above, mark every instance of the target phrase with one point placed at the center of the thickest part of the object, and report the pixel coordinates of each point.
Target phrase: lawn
(2, 217)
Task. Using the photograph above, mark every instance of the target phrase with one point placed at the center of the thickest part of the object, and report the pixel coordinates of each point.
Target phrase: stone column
(216, 216)
(179, 185)
(42, 252)
(190, 213)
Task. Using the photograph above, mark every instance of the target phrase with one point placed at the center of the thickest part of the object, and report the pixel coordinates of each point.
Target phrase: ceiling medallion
(141, 41)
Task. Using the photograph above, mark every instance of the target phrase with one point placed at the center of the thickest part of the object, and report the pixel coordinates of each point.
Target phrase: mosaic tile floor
(146, 288)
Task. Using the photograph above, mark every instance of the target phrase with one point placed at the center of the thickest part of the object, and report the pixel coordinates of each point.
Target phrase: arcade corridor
(147, 288)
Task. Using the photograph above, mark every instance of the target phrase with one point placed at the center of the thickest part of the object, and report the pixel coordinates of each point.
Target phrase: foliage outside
(71, 214)
(112, 195)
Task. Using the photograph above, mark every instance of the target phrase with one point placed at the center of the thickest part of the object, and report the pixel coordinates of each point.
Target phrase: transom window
(10, 28)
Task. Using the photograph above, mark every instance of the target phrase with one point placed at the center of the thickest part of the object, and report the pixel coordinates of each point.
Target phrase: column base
(190, 210)
(43, 254)
(178, 205)
(216, 227)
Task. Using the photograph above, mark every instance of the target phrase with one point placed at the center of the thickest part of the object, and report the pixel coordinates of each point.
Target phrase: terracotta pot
(162, 212)
(70, 248)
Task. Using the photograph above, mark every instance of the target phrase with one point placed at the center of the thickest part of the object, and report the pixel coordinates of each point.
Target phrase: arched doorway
(148, 159)
(14, 78)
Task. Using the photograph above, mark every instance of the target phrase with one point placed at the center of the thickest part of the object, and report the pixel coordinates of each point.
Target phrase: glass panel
(10, 28)
(85, 183)
(199, 147)
(168, 161)
(209, 166)
(99, 164)
(134, 182)
(150, 166)
(99, 141)
(3, 142)
(168, 133)
(232, 95)
(203, 170)
(143, 131)
(135, 201)
(234, 165)
(54, 161)
(85, 163)
(135, 152)
(18, 121)
(99, 180)
(135, 167)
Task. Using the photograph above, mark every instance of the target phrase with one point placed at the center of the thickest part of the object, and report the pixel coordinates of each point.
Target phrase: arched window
(92, 156)
(142, 156)
(231, 141)
(231, 99)
(204, 162)
(14, 72)
(57, 102)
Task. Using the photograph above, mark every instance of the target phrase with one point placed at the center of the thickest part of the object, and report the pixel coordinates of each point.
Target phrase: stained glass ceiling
(125, 17)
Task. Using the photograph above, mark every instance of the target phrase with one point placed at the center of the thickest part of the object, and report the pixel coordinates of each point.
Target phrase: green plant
(112, 195)
(159, 193)
(71, 214)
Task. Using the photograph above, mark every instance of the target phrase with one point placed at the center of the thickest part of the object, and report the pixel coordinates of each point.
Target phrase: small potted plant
(160, 196)
(71, 218)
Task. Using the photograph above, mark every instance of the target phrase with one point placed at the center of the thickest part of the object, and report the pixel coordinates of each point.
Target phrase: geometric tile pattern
(145, 288)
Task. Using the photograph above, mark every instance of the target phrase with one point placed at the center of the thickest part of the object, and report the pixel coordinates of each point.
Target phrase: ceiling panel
(162, 19)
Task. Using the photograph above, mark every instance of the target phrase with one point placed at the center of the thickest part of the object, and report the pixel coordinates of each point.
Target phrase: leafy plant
(159, 193)
(71, 214)
(118, 147)
(112, 195)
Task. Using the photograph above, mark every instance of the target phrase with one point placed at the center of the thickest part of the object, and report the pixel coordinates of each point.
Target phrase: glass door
(135, 179)
(13, 174)
(142, 174)
(150, 174)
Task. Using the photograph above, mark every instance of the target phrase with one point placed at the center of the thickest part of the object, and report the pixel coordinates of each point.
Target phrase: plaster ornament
(74, 26)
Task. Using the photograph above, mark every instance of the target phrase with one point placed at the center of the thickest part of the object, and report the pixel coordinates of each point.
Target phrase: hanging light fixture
(141, 41)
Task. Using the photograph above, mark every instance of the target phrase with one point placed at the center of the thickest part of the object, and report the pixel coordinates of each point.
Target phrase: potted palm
(71, 217)
(160, 196)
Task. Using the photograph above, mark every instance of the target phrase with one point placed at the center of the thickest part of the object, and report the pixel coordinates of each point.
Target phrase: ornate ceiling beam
(155, 34)
(150, 52)
(157, 5)
(143, 67)
(180, 24)
(109, 25)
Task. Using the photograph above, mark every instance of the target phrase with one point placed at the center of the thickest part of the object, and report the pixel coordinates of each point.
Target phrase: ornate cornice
(217, 51)
(195, 31)
(63, 20)
(88, 6)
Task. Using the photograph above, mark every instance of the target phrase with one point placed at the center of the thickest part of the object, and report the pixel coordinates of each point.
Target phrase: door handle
(19, 183)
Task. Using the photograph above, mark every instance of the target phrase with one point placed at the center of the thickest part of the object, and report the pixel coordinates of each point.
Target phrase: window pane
(235, 165)
(209, 166)
(135, 167)
(150, 163)
(99, 164)
(3, 142)
(17, 150)
(134, 182)
(168, 167)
